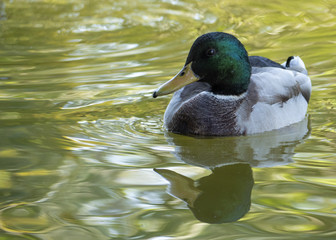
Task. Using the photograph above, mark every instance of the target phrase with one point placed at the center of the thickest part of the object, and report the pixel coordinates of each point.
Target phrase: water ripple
(107, 24)
(117, 141)
(294, 224)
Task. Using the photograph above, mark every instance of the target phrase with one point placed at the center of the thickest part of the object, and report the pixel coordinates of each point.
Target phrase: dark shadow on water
(225, 195)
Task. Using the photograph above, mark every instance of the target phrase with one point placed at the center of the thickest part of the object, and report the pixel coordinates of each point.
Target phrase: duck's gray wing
(276, 98)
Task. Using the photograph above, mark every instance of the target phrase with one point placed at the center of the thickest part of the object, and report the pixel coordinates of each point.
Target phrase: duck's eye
(210, 52)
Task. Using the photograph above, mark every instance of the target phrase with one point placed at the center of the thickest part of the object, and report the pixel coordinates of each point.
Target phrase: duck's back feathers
(258, 61)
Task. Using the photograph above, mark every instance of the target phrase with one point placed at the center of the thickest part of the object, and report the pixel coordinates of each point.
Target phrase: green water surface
(80, 133)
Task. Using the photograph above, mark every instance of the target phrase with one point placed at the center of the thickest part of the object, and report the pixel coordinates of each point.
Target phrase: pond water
(83, 151)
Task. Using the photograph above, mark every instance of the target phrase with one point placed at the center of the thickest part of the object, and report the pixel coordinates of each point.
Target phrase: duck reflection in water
(225, 195)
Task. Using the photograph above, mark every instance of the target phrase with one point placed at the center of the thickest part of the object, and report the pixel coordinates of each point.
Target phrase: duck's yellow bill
(184, 77)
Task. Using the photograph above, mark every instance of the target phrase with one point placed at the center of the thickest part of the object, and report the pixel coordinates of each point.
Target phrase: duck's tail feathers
(295, 63)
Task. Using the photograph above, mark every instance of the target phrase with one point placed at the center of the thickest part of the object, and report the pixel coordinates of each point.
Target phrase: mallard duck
(222, 91)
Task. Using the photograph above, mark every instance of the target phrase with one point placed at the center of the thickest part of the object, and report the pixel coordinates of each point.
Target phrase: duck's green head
(217, 58)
